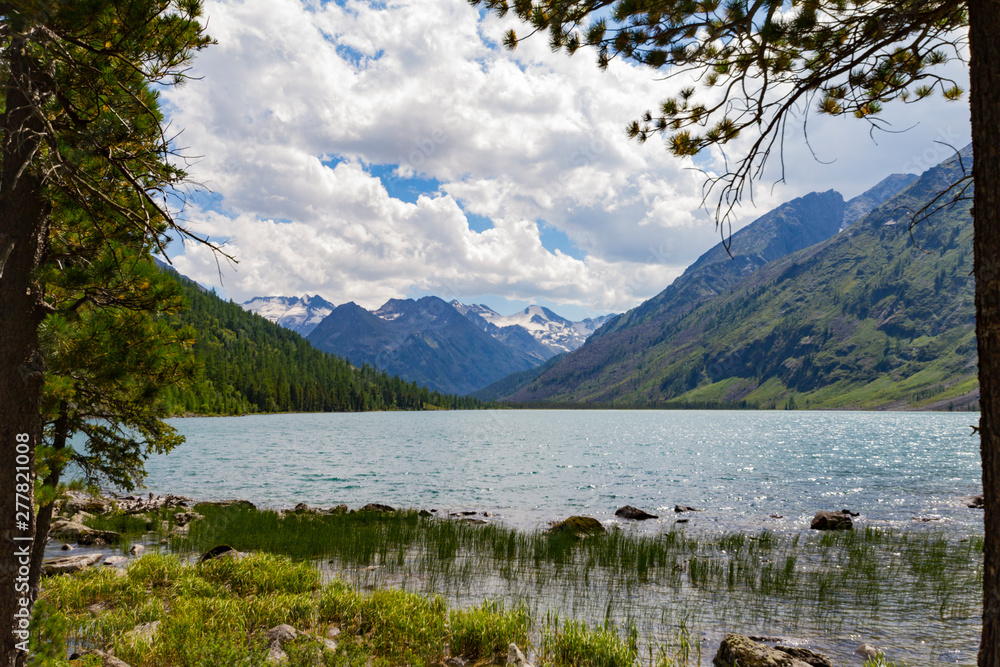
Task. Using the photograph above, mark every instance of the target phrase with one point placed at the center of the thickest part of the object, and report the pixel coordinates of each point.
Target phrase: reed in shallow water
(898, 587)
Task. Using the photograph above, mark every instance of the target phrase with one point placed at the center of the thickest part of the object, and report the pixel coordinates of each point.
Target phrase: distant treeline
(253, 365)
(661, 405)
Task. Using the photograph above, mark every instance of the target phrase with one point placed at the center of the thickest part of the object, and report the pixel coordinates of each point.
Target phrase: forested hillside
(877, 316)
(253, 365)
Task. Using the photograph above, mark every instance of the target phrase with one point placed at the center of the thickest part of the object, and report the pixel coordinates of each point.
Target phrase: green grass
(131, 525)
(217, 613)
(485, 631)
(576, 645)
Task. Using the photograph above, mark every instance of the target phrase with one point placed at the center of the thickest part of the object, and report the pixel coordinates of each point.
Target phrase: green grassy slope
(877, 316)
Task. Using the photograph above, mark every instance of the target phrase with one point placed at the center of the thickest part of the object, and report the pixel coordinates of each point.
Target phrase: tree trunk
(43, 522)
(984, 26)
(23, 229)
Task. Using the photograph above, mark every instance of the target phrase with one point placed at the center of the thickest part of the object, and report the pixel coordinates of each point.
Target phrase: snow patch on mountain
(551, 330)
(300, 314)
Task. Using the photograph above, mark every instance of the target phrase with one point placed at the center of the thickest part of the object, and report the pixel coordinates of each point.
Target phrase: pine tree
(85, 169)
(110, 354)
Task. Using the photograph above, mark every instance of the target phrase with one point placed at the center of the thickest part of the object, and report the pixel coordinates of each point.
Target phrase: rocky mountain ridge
(425, 340)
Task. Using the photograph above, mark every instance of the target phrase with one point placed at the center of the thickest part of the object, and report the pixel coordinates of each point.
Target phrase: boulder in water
(742, 651)
(634, 513)
(579, 525)
(831, 521)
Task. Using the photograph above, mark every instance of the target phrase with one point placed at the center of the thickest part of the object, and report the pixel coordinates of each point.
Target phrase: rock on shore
(70, 564)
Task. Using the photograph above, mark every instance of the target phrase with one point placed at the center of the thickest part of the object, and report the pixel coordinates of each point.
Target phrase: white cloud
(296, 100)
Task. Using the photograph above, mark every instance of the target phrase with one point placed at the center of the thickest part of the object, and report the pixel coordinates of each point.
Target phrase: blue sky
(371, 151)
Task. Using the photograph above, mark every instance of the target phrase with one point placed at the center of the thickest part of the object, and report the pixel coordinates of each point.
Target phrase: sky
(367, 151)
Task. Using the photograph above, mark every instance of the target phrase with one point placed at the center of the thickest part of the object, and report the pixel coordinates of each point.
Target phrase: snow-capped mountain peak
(484, 312)
(551, 330)
(298, 313)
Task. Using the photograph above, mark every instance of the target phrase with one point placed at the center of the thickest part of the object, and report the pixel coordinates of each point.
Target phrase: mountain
(864, 204)
(426, 341)
(250, 364)
(873, 316)
(300, 314)
(554, 333)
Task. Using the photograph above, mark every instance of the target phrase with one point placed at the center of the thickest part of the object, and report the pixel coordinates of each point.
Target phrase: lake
(745, 471)
(531, 467)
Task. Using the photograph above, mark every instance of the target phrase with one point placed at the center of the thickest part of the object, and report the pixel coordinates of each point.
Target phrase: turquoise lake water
(531, 467)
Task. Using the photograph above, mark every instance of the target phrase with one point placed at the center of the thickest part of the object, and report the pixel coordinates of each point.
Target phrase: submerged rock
(831, 521)
(868, 652)
(579, 526)
(685, 508)
(634, 513)
(975, 502)
(70, 564)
